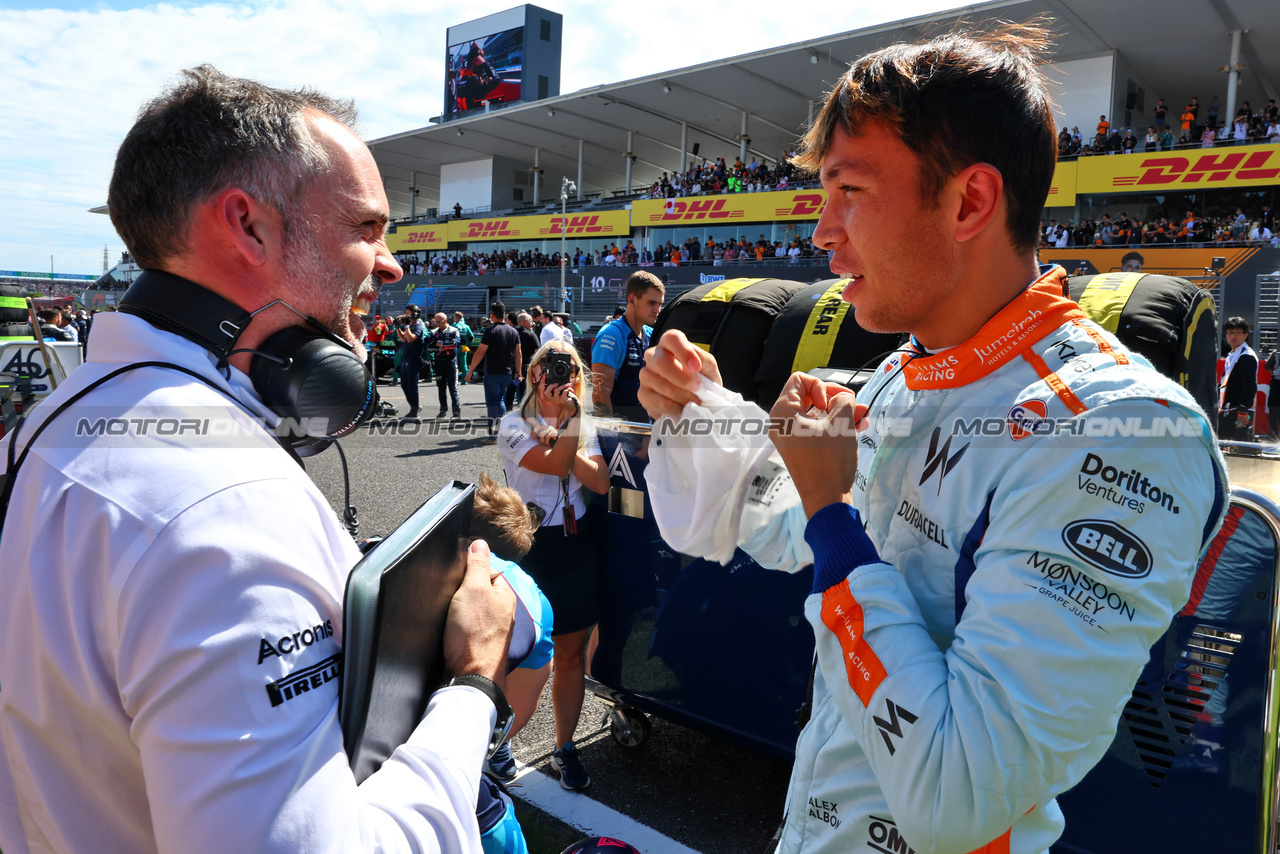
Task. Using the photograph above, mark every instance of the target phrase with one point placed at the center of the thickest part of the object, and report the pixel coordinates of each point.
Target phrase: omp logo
(575, 225)
(695, 210)
(303, 681)
(804, 204)
(492, 228)
(618, 466)
(940, 460)
(892, 727)
(1109, 547)
(1209, 168)
(883, 836)
(1025, 419)
(421, 237)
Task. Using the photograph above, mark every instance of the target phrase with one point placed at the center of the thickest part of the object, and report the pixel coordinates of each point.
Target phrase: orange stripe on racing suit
(1055, 382)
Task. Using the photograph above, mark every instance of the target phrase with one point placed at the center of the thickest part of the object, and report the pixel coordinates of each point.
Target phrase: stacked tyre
(1166, 319)
(14, 321)
(763, 330)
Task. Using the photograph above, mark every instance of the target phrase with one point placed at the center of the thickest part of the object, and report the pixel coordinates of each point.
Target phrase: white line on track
(591, 817)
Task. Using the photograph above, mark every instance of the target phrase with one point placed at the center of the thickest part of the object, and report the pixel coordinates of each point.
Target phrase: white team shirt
(171, 634)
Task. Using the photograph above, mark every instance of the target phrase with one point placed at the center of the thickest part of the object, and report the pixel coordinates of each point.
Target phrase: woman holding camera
(550, 452)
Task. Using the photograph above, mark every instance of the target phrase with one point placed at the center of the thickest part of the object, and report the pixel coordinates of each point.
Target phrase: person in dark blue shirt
(618, 352)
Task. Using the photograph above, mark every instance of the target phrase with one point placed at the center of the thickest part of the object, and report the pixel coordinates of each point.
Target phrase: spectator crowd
(1239, 229)
(712, 177)
(692, 250)
(1247, 127)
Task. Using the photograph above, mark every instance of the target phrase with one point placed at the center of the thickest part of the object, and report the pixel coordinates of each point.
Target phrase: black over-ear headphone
(304, 373)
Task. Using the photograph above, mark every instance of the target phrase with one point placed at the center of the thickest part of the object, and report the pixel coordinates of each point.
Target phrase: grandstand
(664, 163)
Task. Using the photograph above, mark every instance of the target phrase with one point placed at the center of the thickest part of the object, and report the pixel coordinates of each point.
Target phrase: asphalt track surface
(710, 795)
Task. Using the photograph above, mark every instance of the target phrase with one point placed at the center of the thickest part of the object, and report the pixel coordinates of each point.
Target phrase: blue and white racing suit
(1028, 512)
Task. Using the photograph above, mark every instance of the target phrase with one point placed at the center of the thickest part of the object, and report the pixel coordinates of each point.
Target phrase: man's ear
(254, 230)
(981, 189)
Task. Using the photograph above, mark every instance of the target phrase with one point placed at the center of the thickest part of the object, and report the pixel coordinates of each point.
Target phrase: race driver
(998, 549)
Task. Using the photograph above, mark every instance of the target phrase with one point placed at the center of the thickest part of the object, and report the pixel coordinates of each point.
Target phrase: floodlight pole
(566, 187)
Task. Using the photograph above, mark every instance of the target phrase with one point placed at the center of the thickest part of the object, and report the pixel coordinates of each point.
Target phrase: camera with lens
(559, 368)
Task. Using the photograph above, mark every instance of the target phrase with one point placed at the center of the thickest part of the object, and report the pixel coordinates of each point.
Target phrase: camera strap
(570, 520)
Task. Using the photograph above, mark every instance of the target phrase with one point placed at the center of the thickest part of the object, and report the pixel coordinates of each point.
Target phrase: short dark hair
(956, 100)
(498, 310)
(641, 281)
(1132, 256)
(205, 134)
(1236, 322)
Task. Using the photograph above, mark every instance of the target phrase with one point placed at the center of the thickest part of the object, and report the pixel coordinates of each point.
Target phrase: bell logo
(804, 204)
(1207, 168)
(1109, 547)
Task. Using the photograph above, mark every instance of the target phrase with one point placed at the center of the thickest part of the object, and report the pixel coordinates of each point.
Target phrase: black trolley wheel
(630, 728)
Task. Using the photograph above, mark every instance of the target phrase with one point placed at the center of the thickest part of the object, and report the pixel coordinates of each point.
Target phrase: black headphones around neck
(304, 373)
(307, 375)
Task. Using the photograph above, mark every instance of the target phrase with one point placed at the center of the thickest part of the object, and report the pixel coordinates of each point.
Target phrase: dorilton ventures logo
(1122, 487)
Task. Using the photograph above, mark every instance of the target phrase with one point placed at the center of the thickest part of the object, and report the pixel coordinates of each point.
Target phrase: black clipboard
(396, 602)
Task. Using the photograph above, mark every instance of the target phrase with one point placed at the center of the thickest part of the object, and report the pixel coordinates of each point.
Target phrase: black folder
(396, 602)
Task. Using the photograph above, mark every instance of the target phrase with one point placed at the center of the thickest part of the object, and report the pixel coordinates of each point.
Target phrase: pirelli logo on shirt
(305, 680)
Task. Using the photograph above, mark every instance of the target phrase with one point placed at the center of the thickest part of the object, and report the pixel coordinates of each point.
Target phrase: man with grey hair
(172, 619)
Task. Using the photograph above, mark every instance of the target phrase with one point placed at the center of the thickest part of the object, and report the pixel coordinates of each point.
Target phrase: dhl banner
(413, 237)
(738, 207)
(1165, 260)
(578, 226)
(1186, 169)
(1063, 192)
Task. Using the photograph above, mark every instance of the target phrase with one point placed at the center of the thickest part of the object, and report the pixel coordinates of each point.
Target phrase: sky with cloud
(73, 74)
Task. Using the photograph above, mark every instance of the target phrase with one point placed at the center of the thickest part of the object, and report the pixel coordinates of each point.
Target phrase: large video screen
(484, 69)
